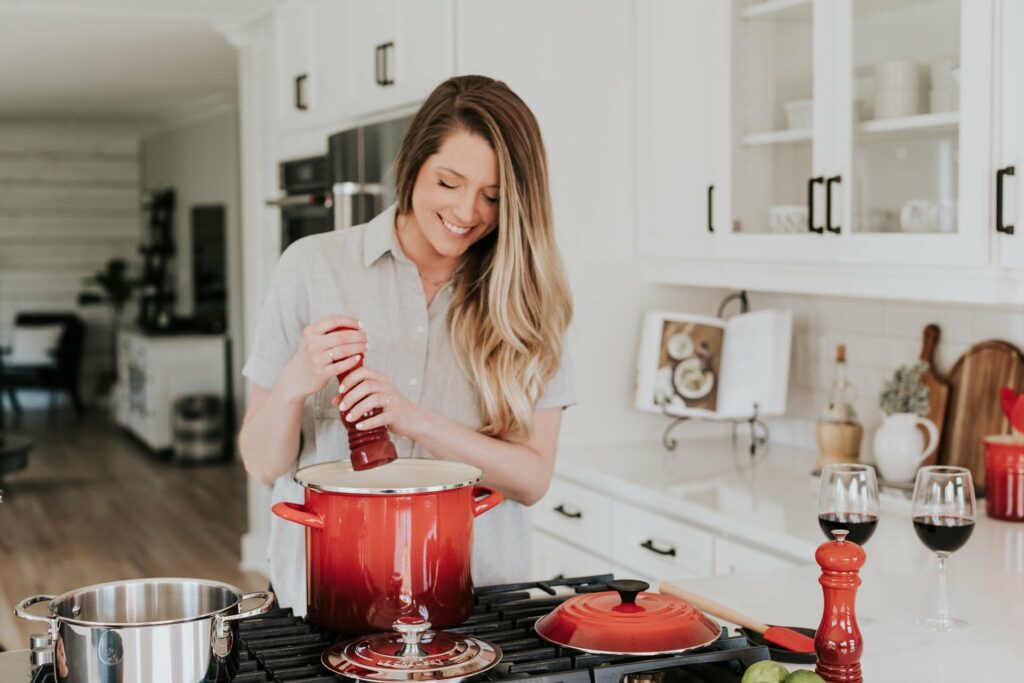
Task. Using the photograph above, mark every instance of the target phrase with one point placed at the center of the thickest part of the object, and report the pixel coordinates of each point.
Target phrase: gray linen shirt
(363, 272)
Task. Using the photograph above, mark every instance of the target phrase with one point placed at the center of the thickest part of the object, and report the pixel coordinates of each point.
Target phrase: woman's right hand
(324, 352)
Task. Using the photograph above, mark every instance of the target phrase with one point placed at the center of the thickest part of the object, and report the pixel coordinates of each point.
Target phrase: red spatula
(776, 635)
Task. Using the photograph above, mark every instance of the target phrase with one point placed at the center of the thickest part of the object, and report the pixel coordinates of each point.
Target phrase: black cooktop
(281, 647)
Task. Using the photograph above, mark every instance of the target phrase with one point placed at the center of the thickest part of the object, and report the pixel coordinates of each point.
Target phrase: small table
(14, 450)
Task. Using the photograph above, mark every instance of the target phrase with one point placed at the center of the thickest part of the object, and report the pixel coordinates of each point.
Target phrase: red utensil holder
(1004, 478)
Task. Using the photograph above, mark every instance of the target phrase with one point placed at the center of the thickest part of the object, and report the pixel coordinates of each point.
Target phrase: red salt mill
(368, 448)
(838, 643)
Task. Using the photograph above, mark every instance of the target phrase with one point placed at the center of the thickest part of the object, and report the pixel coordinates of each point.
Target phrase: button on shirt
(362, 272)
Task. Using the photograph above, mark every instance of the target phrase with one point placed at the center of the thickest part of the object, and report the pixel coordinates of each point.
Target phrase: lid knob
(628, 589)
(411, 630)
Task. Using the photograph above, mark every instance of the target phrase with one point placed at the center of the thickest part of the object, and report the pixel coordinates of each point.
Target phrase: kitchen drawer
(658, 546)
(553, 557)
(575, 514)
(736, 558)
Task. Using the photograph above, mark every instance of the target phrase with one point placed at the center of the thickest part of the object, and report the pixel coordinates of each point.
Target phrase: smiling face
(454, 200)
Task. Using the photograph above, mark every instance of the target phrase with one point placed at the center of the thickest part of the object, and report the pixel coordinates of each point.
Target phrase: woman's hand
(366, 389)
(324, 352)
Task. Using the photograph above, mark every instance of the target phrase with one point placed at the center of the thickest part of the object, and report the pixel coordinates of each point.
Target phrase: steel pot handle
(493, 498)
(222, 641)
(21, 610)
(294, 512)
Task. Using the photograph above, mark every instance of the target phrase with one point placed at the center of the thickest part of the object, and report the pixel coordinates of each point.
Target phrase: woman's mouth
(455, 230)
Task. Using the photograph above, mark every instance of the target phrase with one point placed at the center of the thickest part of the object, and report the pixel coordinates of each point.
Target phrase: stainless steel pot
(146, 631)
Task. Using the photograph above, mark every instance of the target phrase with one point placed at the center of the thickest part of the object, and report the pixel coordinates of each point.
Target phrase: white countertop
(771, 502)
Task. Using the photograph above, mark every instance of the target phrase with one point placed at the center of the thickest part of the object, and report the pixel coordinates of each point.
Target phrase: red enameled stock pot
(389, 542)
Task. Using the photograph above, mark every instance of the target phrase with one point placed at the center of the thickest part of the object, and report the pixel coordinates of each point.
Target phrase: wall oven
(307, 205)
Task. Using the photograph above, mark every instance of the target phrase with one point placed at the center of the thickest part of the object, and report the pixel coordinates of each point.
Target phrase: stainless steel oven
(307, 205)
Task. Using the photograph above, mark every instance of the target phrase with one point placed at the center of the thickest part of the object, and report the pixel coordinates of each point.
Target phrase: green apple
(765, 672)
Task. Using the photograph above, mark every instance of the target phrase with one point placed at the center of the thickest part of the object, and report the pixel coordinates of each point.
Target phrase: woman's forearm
(269, 438)
(520, 471)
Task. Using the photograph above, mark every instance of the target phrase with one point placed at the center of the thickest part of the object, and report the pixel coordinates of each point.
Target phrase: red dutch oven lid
(628, 621)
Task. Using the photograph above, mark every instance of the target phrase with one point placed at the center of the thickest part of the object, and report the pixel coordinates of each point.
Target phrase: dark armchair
(61, 375)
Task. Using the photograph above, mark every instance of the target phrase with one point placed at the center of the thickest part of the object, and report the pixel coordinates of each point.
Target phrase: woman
(458, 300)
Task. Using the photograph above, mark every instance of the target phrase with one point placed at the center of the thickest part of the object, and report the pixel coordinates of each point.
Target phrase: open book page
(679, 363)
(755, 364)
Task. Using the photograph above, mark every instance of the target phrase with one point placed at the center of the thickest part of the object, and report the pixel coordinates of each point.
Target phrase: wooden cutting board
(974, 411)
(938, 388)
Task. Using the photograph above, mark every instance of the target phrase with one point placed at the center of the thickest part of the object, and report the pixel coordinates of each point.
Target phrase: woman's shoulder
(337, 248)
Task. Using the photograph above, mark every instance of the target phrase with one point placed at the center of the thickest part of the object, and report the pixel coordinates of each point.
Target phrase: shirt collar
(381, 238)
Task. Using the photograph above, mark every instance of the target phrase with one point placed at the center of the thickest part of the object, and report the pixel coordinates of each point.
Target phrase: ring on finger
(331, 351)
(387, 400)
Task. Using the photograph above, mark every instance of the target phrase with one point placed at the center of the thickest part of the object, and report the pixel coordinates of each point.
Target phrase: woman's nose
(465, 209)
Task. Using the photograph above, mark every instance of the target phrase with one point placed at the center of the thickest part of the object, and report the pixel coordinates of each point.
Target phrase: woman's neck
(430, 264)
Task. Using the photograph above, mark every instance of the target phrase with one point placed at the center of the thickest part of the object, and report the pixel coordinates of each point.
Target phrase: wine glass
(848, 499)
(943, 519)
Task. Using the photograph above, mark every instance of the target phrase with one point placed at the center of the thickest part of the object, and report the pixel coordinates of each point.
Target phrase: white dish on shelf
(799, 114)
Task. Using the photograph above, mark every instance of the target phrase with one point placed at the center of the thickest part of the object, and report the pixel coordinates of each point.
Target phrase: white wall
(584, 103)
(879, 336)
(69, 201)
(200, 160)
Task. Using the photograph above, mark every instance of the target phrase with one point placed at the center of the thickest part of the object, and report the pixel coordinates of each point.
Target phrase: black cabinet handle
(385, 62)
(300, 94)
(711, 195)
(1000, 227)
(828, 204)
(560, 509)
(378, 64)
(810, 204)
(649, 545)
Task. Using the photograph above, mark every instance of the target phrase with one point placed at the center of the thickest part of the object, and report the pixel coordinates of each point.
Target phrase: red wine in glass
(943, 534)
(860, 525)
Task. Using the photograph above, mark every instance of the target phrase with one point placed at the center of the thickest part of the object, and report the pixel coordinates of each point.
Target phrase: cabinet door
(1009, 148)
(653, 545)
(682, 70)
(296, 83)
(912, 126)
(777, 142)
(554, 558)
(369, 31)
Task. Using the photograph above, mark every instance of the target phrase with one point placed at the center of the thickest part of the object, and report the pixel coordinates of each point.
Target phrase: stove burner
(279, 646)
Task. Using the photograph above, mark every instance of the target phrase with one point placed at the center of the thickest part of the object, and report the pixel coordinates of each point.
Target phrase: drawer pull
(576, 514)
(649, 545)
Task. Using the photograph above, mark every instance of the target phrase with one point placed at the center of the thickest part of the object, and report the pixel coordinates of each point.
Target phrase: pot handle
(294, 512)
(222, 624)
(21, 610)
(493, 498)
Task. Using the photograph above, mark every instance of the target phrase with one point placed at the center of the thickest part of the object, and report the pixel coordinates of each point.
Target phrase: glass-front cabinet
(858, 132)
(911, 95)
(1008, 159)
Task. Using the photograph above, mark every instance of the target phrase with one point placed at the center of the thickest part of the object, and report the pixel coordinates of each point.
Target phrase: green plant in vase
(900, 447)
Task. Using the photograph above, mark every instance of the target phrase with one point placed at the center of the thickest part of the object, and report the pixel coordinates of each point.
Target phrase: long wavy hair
(512, 303)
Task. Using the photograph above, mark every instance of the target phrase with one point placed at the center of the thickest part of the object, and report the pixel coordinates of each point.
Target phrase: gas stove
(281, 647)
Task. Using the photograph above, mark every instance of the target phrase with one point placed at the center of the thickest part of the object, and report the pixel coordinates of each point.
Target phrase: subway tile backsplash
(879, 336)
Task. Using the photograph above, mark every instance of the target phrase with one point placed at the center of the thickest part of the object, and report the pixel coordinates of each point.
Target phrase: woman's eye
(445, 185)
(492, 200)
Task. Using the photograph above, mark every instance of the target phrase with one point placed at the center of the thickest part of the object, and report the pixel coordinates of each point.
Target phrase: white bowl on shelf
(799, 114)
(896, 103)
(898, 74)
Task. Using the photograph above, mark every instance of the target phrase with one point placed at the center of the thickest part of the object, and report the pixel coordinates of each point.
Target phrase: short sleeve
(559, 392)
(279, 329)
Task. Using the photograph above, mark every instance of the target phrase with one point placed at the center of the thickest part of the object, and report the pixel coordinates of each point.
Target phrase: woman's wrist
(418, 424)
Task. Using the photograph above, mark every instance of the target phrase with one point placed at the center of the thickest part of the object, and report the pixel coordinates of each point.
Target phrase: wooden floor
(95, 506)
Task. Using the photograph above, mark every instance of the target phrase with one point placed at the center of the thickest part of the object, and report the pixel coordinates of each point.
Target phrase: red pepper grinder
(368, 448)
(838, 642)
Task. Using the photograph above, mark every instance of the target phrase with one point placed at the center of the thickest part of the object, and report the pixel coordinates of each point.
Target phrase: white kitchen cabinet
(1007, 171)
(297, 76)
(734, 558)
(154, 371)
(397, 52)
(654, 545)
(676, 123)
(576, 514)
(552, 557)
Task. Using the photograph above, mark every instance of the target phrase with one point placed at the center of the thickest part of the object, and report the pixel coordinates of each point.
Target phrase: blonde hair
(512, 302)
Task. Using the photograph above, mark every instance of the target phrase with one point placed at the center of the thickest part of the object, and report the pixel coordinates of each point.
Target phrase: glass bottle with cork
(838, 431)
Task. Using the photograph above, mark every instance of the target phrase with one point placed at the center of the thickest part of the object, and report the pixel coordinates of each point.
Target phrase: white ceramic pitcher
(900, 448)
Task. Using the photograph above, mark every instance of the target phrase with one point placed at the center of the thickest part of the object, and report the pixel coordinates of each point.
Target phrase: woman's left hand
(366, 389)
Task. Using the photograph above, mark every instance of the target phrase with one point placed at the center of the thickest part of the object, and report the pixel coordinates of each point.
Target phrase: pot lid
(405, 475)
(628, 621)
(411, 652)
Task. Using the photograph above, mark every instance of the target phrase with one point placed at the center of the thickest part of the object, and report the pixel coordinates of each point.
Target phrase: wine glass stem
(943, 601)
